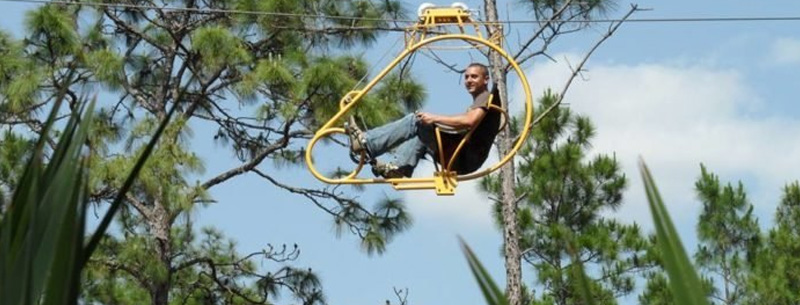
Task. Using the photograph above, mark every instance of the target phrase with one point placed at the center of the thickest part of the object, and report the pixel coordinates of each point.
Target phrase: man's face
(475, 80)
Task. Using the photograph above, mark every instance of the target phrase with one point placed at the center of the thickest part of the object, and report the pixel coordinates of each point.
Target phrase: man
(413, 135)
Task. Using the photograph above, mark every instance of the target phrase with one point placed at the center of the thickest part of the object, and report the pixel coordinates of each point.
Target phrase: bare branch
(224, 284)
(401, 294)
(315, 195)
(131, 30)
(539, 32)
(579, 68)
(439, 60)
(280, 144)
(133, 272)
(278, 256)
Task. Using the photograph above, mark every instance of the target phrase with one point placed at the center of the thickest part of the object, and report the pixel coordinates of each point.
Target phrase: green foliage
(685, 286)
(741, 265)
(14, 151)
(656, 291)
(381, 229)
(775, 278)
(330, 79)
(275, 74)
(107, 67)
(684, 282)
(564, 196)
(788, 212)
(494, 296)
(218, 47)
(41, 234)
(370, 14)
(492, 293)
(397, 95)
(10, 54)
(21, 90)
(19, 78)
(290, 74)
(42, 250)
(52, 27)
(728, 234)
(580, 10)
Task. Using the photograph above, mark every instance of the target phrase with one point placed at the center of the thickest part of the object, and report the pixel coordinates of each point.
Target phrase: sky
(677, 95)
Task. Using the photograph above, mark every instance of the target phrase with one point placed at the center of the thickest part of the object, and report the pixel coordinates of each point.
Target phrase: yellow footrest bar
(444, 183)
(414, 186)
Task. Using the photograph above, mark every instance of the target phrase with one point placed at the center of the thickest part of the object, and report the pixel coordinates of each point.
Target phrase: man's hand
(465, 120)
(426, 118)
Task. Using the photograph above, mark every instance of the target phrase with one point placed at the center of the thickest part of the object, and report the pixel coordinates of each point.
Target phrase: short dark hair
(482, 66)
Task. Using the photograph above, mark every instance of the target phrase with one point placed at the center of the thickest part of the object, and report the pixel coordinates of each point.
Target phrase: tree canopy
(262, 81)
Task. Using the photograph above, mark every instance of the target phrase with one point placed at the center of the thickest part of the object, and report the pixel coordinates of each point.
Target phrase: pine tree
(776, 275)
(740, 265)
(560, 16)
(728, 235)
(657, 290)
(564, 196)
(15, 71)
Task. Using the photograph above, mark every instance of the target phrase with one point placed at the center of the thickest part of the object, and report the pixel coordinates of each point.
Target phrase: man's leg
(408, 154)
(384, 138)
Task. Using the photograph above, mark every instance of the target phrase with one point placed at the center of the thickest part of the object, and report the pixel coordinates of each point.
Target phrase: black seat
(478, 141)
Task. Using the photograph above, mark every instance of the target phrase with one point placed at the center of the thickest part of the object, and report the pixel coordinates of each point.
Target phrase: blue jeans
(412, 138)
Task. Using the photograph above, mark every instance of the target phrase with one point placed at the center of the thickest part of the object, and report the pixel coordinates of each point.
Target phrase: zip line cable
(353, 18)
(206, 10)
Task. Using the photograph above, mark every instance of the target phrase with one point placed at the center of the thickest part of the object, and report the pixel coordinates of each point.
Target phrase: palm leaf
(684, 282)
(492, 293)
(42, 230)
(42, 252)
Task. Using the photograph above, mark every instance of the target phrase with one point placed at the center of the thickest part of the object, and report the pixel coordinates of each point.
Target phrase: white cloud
(676, 117)
(673, 115)
(785, 51)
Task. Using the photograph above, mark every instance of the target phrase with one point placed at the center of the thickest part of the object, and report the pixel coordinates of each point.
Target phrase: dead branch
(345, 205)
(401, 294)
(579, 68)
(539, 32)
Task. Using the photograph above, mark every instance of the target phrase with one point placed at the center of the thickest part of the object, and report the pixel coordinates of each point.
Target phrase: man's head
(476, 78)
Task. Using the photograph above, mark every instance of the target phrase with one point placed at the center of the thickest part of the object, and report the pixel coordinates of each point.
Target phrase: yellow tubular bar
(439, 145)
(328, 128)
(506, 118)
(415, 186)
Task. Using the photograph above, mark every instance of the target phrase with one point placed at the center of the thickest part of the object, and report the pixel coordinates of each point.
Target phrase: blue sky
(677, 94)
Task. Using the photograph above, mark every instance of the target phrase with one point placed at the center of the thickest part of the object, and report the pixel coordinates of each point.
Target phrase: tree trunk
(160, 228)
(509, 204)
(160, 294)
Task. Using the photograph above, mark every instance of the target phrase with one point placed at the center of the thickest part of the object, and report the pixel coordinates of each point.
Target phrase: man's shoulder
(480, 100)
(483, 96)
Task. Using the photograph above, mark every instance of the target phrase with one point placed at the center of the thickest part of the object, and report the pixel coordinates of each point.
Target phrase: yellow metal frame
(420, 35)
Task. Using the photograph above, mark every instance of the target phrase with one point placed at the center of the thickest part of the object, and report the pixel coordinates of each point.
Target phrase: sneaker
(358, 141)
(390, 171)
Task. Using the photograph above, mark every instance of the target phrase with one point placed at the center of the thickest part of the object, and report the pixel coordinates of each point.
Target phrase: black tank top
(477, 148)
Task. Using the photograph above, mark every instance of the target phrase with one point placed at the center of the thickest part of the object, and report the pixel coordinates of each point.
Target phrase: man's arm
(467, 120)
